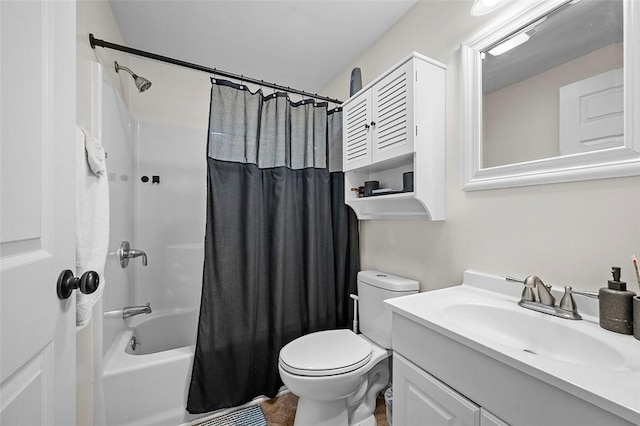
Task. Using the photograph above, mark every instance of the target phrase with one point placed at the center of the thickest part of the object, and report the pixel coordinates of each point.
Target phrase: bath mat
(251, 416)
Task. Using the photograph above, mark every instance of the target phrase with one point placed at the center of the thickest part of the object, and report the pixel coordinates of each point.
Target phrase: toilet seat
(325, 353)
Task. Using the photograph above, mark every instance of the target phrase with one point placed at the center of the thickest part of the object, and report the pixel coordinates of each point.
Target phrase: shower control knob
(87, 283)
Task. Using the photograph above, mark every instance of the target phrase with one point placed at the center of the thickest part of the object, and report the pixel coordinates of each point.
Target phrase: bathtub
(149, 385)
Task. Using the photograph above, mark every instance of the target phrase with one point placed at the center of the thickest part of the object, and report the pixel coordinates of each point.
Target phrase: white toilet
(337, 374)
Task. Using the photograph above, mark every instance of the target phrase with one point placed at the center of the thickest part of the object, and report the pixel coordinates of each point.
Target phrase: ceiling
(571, 32)
(303, 44)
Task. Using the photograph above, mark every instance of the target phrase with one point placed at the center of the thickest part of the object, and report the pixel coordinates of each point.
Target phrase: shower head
(141, 83)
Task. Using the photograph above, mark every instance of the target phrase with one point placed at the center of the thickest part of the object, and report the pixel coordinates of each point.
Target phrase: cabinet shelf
(395, 125)
(375, 198)
(402, 206)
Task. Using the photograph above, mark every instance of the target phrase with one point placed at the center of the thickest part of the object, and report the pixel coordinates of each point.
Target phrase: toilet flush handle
(355, 312)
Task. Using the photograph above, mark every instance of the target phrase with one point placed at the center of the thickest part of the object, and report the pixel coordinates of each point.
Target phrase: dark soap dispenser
(616, 305)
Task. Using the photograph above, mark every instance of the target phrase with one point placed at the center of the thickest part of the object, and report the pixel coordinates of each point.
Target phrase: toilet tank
(374, 287)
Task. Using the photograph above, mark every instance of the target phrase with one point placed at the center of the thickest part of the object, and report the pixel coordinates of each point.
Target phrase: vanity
(469, 355)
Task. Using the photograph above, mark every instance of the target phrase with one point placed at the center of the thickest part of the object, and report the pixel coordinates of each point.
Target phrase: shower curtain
(281, 247)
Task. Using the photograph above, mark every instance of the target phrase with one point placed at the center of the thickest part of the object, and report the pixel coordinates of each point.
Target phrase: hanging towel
(95, 154)
(92, 219)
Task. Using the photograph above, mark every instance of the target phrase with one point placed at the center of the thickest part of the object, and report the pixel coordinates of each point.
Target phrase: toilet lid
(325, 353)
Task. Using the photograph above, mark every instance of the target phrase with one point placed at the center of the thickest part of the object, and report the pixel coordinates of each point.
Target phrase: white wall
(566, 233)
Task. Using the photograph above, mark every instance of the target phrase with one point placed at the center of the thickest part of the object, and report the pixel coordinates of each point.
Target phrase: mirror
(547, 94)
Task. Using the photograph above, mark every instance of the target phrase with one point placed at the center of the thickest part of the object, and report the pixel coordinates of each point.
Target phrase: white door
(37, 208)
(592, 113)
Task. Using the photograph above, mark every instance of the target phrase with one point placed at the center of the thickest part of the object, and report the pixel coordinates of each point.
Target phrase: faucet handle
(125, 252)
(529, 293)
(568, 304)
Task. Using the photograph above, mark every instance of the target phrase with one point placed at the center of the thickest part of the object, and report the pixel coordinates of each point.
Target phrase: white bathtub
(149, 386)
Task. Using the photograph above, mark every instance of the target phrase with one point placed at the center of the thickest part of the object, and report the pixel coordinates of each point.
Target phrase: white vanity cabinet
(396, 124)
(420, 398)
(441, 377)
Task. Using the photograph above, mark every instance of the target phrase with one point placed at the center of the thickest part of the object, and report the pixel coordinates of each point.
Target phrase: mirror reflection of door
(574, 50)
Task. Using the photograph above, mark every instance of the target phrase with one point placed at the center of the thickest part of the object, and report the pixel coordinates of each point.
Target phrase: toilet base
(321, 413)
(326, 413)
(369, 421)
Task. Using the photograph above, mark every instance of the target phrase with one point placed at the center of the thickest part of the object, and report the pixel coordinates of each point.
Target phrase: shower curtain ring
(241, 82)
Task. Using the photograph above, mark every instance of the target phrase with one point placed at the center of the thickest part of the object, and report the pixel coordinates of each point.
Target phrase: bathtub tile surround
(165, 339)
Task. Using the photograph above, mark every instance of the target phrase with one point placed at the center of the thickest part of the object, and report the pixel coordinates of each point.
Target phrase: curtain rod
(108, 45)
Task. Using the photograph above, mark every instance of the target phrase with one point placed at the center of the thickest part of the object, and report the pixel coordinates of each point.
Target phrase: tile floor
(281, 411)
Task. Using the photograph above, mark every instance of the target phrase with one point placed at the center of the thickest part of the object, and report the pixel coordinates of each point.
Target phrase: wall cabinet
(420, 398)
(394, 125)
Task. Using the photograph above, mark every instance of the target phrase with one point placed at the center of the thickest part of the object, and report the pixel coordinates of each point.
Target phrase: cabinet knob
(366, 126)
(373, 124)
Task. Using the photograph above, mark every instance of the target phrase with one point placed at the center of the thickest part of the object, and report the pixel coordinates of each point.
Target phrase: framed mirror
(548, 94)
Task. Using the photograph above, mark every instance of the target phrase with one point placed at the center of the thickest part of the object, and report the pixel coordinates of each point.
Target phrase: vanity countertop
(578, 357)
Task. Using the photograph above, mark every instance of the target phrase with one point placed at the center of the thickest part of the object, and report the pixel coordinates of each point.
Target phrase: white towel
(95, 154)
(92, 219)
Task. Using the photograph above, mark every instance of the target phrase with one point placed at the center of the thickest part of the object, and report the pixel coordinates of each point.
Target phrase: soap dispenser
(616, 305)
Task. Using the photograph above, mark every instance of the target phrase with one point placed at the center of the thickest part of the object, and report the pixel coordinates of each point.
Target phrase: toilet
(337, 374)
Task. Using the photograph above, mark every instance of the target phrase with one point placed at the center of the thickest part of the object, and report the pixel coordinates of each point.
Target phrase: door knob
(87, 283)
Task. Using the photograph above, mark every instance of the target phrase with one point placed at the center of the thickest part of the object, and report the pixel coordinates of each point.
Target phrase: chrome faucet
(537, 297)
(125, 252)
(131, 311)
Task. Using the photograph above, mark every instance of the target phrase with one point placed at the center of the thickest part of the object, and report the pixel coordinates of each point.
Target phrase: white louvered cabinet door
(357, 132)
(392, 124)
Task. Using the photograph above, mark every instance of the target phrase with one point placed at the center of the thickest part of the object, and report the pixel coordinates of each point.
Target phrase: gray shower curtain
(281, 247)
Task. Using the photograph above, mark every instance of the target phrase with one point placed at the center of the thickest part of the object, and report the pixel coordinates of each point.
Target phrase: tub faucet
(131, 311)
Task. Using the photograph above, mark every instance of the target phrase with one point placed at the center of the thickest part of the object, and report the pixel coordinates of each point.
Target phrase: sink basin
(535, 334)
